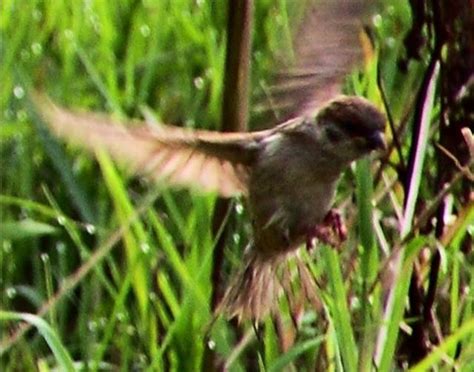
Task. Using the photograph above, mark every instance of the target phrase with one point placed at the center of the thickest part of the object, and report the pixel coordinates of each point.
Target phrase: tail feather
(256, 289)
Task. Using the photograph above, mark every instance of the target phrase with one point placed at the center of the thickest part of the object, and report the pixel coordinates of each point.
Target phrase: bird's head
(351, 127)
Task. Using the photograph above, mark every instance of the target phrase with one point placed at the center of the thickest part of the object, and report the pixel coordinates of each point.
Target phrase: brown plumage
(288, 174)
(326, 47)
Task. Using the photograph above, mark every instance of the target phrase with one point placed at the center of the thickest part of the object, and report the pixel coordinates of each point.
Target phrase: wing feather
(210, 161)
(326, 47)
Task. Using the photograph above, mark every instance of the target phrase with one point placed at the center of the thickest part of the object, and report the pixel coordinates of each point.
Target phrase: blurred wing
(326, 47)
(208, 160)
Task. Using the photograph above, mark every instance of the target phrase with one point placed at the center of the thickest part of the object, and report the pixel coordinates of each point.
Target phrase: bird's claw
(331, 231)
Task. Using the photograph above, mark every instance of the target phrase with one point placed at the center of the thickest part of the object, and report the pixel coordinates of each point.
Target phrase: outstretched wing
(210, 161)
(327, 45)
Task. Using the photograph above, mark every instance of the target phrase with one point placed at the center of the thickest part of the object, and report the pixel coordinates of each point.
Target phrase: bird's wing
(207, 160)
(327, 45)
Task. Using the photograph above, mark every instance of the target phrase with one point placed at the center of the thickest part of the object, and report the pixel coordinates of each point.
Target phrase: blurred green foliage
(145, 304)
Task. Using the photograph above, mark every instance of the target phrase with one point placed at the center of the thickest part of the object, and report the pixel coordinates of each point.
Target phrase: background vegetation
(120, 271)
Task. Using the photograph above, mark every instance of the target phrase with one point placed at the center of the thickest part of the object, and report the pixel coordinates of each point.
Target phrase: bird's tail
(255, 290)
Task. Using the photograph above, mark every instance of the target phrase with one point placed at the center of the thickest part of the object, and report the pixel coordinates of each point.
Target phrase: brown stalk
(234, 119)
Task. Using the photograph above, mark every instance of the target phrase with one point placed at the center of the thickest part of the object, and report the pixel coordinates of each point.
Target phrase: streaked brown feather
(326, 48)
(211, 161)
(256, 289)
(327, 45)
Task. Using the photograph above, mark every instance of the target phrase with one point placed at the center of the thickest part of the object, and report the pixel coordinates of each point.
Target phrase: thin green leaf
(291, 355)
(25, 229)
(339, 310)
(62, 355)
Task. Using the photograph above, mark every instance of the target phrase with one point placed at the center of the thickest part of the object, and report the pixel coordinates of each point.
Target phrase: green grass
(119, 269)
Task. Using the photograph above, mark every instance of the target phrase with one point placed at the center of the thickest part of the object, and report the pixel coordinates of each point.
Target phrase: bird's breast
(291, 189)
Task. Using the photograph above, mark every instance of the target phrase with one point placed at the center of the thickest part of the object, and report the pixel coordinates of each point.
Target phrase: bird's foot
(331, 231)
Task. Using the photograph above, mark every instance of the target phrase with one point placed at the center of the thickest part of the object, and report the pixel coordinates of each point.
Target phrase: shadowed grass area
(119, 269)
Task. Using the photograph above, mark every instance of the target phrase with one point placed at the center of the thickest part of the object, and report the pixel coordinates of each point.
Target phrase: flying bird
(288, 173)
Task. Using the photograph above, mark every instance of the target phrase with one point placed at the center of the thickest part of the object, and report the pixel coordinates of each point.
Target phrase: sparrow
(288, 175)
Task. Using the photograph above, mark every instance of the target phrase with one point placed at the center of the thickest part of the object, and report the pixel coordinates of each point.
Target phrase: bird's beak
(377, 141)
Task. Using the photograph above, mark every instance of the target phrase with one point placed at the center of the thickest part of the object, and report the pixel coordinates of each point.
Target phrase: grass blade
(62, 356)
(339, 310)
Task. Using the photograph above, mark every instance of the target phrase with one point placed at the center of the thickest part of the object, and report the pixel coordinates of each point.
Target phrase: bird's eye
(334, 135)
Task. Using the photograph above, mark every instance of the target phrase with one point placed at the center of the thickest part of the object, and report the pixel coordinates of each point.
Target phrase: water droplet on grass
(90, 229)
(92, 325)
(7, 246)
(199, 82)
(211, 344)
(390, 42)
(37, 49)
(61, 248)
(377, 20)
(11, 292)
(44, 257)
(145, 30)
(19, 92)
(121, 316)
(236, 238)
(239, 208)
(145, 247)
